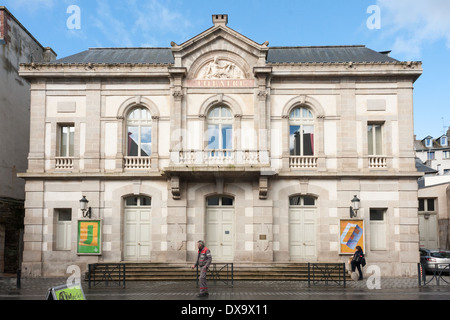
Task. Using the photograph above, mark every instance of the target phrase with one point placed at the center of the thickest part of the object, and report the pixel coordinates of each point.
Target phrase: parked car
(433, 259)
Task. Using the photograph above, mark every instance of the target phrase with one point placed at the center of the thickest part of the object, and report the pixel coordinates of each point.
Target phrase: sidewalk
(391, 289)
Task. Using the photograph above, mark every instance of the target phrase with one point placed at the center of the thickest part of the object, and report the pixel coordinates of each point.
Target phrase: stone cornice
(372, 69)
(35, 70)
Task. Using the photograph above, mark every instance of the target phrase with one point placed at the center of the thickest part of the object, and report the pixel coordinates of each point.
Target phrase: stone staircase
(183, 272)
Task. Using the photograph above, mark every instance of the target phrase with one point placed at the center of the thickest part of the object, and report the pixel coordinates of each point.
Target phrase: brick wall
(4, 26)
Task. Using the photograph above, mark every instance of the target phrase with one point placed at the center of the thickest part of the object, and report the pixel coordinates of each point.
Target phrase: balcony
(228, 162)
(377, 162)
(64, 163)
(218, 157)
(137, 163)
(303, 162)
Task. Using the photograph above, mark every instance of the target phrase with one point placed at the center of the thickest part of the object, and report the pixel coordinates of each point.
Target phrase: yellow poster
(89, 237)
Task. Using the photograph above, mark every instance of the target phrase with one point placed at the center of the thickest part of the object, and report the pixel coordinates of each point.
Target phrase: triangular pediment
(219, 52)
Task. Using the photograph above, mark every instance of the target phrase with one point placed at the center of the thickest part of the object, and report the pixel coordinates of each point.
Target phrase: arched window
(301, 132)
(220, 129)
(139, 133)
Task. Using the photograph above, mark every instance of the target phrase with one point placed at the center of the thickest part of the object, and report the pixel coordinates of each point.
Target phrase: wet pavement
(245, 299)
(387, 289)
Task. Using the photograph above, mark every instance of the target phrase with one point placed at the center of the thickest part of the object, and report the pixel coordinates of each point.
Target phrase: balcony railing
(302, 162)
(137, 163)
(218, 157)
(377, 162)
(64, 163)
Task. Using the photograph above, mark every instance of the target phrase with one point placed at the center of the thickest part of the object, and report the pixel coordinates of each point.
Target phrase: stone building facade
(257, 150)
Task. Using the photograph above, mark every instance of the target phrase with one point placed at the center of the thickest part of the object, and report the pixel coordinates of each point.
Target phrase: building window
(301, 132)
(375, 139)
(66, 140)
(446, 155)
(430, 155)
(63, 233)
(427, 205)
(302, 201)
(428, 142)
(378, 229)
(220, 129)
(139, 129)
(444, 141)
(140, 201)
(221, 201)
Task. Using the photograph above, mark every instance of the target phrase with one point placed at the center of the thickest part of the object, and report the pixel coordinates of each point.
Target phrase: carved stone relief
(220, 69)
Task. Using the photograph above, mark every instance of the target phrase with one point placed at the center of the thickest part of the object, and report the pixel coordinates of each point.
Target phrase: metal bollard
(18, 279)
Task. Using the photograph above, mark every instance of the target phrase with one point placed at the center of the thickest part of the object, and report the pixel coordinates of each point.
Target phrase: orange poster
(351, 235)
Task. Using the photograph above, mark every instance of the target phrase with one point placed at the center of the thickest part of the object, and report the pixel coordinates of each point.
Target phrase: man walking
(204, 259)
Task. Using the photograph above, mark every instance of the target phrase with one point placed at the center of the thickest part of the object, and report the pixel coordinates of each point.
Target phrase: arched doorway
(220, 227)
(137, 228)
(302, 227)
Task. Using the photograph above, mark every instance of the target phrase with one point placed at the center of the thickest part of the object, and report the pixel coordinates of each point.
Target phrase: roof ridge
(128, 48)
(303, 47)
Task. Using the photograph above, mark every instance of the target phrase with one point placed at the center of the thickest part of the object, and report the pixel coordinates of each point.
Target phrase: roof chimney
(220, 19)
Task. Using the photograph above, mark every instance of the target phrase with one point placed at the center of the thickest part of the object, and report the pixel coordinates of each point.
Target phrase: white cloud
(415, 23)
(133, 23)
(112, 28)
(155, 18)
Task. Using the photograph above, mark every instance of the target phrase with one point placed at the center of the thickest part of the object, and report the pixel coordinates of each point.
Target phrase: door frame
(303, 207)
(233, 221)
(124, 225)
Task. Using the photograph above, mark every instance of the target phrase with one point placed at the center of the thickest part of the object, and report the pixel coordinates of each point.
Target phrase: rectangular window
(427, 205)
(139, 141)
(66, 140)
(301, 140)
(378, 232)
(63, 232)
(374, 139)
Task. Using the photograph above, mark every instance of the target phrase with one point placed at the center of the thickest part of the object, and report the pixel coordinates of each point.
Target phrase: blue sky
(417, 30)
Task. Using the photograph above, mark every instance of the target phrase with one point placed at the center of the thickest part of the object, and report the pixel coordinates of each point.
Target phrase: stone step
(178, 272)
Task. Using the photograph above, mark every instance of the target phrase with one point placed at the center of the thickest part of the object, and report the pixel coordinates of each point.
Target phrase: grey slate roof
(275, 55)
(333, 54)
(121, 55)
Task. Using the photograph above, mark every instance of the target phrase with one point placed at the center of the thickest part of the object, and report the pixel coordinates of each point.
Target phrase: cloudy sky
(417, 30)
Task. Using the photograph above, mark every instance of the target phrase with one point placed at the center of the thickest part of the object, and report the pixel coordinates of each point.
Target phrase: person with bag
(358, 260)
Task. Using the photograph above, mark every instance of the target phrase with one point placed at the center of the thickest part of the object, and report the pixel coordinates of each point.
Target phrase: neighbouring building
(435, 153)
(17, 46)
(434, 192)
(257, 150)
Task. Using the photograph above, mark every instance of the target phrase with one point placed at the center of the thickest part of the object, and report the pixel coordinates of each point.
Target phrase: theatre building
(257, 150)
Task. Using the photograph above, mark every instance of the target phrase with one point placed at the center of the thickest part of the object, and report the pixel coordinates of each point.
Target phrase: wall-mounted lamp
(355, 207)
(87, 212)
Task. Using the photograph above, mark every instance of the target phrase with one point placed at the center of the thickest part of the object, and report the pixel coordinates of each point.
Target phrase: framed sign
(351, 235)
(65, 292)
(89, 237)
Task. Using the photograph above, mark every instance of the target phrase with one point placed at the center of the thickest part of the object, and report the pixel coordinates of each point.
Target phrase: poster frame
(97, 248)
(343, 248)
